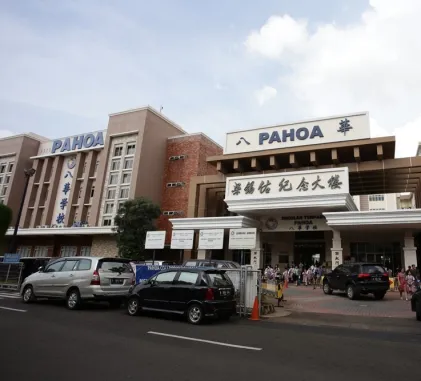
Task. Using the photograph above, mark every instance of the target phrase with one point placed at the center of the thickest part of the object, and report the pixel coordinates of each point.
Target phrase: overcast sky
(214, 66)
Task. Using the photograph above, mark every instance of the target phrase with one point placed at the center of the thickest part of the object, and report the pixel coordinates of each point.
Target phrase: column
(337, 251)
(256, 256)
(409, 250)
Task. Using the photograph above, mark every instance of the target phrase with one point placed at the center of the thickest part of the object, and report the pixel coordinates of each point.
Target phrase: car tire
(115, 304)
(133, 306)
(195, 314)
(379, 295)
(73, 300)
(28, 295)
(326, 288)
(418, 310)
(351, 293)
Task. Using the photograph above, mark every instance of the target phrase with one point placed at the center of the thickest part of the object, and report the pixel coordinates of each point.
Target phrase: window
(4, 191)
(109, 206)
(115, 266)
(188, 279)
(1, 180)
(127, 177)
(92, 191)
(120, 205)
(1, 200)
(113, 179)
(41, 251)
(24, 251)
(69, 265)
(219, 279)
(85, 251)
(124, 193)
(115, 165)
(130, 148)
(84, 265)
(118, 151)
(106, 222)
(128, 164)
(68, 251)
(165, 278)
(111, 194)
(376, 197)
(7, 179)
(10, 169)
(2, 168)
(54, 267)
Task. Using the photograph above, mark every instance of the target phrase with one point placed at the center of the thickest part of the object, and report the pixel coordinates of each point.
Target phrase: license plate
(377, 279)
(117, 281)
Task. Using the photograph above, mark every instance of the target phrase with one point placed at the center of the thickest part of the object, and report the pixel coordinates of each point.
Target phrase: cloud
(371, 65)
(265, 94)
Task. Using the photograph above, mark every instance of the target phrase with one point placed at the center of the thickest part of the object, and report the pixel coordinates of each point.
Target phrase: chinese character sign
(289, 184)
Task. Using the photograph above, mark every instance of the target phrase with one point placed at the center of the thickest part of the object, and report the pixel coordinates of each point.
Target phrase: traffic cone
(255, 315)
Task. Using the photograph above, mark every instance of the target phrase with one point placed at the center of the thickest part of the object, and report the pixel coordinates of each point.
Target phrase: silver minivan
(78, 279)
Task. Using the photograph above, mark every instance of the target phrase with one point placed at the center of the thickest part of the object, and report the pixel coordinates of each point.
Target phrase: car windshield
(373, 269)
(219, 279)
(115, 266)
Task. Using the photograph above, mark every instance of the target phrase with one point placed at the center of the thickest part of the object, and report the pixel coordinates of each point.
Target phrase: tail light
(363, 276)
(209, 294)
(386, 274)
(95, 279)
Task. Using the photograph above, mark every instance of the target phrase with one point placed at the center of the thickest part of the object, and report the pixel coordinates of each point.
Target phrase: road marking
(12, 309)
(205, 341)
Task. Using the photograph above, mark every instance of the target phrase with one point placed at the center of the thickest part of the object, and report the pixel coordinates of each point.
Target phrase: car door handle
(71, 275)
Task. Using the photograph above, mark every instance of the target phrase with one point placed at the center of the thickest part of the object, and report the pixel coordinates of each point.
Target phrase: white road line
(205, 341)
(12, 309)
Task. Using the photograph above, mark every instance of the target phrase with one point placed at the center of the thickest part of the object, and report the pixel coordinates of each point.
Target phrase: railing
(10, 275)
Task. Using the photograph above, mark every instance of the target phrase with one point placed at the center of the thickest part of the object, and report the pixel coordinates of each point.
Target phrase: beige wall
(104, 246)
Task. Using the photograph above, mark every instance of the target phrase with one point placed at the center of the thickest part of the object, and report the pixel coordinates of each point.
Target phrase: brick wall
(196, 148)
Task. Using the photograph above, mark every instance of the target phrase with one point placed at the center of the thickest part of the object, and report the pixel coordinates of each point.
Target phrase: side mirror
(41, 269)
(152, 283)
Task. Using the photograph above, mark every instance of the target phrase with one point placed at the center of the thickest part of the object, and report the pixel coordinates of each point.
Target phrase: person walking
(410, 284)
(402, 284)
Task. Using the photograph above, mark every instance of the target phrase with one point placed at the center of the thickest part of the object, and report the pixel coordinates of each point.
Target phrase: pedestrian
(305, 276)
(309, 277)
(402, 284)
(410, 284)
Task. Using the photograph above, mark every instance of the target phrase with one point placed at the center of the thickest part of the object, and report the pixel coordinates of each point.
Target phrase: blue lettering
(56, 145)
(88, 140)
(302, 133)
(77, 142)
(290, 135)
(99, 140)
(275, 137)
(262, 137)
(66, 145)
(316, 132)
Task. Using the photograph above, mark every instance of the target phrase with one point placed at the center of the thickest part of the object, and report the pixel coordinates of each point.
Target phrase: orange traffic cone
(255, 315)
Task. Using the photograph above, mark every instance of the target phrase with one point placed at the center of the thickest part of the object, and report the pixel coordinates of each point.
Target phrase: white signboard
(319, 131)
(182, 239)
(155, 239)
(211, 239)
(295, 224)
(242, 239)
(288, 184)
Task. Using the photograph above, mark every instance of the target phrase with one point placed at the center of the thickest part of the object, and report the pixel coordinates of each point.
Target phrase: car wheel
(195, 314)
(133, 306)
(379, 295)
(418, 310)
(73, 299)
(326, 288)
(350, 292)
(28, 295)
(115, 304)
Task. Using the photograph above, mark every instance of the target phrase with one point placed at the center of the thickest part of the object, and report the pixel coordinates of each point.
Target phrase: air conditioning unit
(179, 157)
(172, 213)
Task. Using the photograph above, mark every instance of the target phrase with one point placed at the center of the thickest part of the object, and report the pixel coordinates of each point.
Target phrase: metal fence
(10, 275)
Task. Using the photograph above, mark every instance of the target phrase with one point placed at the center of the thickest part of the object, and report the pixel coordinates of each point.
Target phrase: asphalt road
(45, 342)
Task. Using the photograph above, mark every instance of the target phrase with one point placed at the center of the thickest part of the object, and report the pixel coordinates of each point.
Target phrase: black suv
(196, 293)
(416, 303)
(358, 279)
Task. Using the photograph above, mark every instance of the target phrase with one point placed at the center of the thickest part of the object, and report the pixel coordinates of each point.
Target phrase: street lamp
(28, 174)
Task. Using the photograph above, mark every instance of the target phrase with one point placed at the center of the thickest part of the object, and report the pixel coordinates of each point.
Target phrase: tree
(5, 220)
(133, 220)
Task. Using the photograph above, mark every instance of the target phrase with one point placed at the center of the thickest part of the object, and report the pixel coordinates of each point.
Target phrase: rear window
(219, 280)
(373, 269)
(190, 264)
(115, 266)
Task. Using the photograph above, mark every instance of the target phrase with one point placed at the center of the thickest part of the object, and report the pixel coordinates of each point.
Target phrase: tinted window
(219, 279)
(187, 278)
(56, 266)
(69, 266)
(84, 264)
(115, 267)
(355, 269)
(373, 269)
(190, 264)
(165, 278)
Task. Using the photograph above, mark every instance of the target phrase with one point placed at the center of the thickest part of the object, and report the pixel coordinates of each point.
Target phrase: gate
(10, 276)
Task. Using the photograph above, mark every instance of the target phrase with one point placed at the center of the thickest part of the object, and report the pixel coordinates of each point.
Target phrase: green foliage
(133, 220)
(5, 220)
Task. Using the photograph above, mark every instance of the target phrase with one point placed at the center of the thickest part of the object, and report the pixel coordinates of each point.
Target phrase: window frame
(112, 176)
(62, 261)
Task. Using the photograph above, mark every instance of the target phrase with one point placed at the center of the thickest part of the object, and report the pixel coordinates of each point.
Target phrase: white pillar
(256, 256)
(201, 254)
(409, 250)
(337, 251)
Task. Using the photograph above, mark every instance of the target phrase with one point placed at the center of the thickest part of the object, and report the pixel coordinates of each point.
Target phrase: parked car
(220, 264)
(416, 303)
(79, 279)
(358, 279)
(195, 293)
